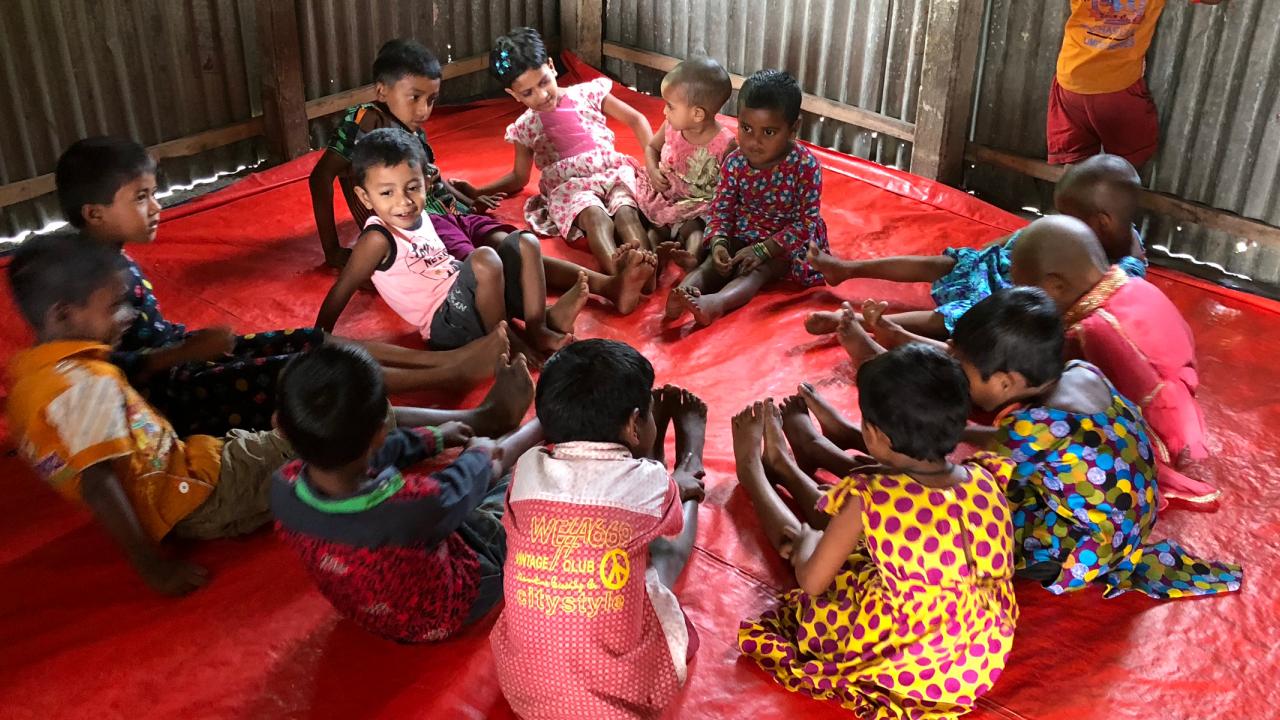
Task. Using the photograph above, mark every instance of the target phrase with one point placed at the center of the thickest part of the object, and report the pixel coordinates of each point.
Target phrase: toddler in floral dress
(766, 210)
(586, 187)
(682, 163)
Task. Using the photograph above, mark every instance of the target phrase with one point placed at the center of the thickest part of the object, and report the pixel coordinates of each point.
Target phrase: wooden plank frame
(582, 29)
(946, 89)
(812, 103)
(283, 96)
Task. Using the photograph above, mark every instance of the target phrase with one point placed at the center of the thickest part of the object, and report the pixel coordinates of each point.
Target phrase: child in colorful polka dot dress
(586, 186)
(905, 607)
(1084, 493)
(767, 207)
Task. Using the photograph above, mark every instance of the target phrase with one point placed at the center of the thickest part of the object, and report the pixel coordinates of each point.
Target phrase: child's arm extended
(207, 345)
(101, 491)
(639, 124)
(818, 555)
(653, 159)
(406, 447)
(514, 181)
(371, 249)
(328, 168)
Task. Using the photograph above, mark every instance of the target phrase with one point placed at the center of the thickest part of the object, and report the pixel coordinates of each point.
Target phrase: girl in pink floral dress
(682, 163)
(587, 187)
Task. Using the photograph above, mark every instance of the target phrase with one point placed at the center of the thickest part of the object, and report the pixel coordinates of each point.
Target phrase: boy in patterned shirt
(406, 78)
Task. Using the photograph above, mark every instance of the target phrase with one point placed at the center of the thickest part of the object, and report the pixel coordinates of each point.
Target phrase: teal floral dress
(1084, 500)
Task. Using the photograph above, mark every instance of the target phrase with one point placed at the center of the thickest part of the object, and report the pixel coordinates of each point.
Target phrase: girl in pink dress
(587, 187)
(682, 163)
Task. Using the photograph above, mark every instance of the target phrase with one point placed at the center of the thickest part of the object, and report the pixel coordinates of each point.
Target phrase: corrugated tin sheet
(1213, 73)
(865, 53)
(154, 70)
(340, 39)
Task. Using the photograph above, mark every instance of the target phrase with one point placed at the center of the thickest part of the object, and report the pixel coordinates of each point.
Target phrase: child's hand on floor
(483, 203)
(172, 577)
(455, 433)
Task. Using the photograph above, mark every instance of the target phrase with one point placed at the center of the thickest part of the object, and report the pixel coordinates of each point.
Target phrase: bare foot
(834, 426)
(476, 359)
(690, 299)
(854, 339)
(823, 322)
(886, 332)
(748, 432)
(504, 407)
(665, 251)
(661, 419)
(775, 442)
(674, 308)
(635, 268)
(560, 317)
(799, 431)
(833, 269)
(689, 413)
(685, 260)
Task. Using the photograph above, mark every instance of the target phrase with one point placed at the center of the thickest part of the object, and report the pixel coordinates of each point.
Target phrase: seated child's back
(588, 629)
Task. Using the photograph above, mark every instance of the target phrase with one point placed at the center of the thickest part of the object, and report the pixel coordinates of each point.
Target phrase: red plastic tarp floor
(81, 636)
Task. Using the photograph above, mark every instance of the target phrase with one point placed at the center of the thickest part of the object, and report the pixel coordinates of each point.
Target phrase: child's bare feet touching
(831, 267)
(689, 299)
(505, 405)
(775, 454)
(822, 322)
(689, 413)
(476, 359)
(561, 315)
(887, 332)
(799, 431)
(834, 426)
(635, 268)
(748, 434)
(661, 419)
(665, 251)
(684, 259)
(854, 339)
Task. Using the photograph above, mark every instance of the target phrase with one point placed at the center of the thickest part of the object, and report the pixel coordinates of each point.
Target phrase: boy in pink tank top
(451, 302)
(591, 627)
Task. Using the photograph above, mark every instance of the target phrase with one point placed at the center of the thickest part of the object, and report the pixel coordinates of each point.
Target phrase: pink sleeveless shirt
(417, 274)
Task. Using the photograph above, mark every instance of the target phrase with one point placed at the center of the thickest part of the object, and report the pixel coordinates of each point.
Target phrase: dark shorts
(458, 320)
(483, 532)
(1122, 123)
(463, 233)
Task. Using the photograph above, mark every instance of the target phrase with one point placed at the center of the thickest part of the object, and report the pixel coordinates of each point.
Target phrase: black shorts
(457, 321)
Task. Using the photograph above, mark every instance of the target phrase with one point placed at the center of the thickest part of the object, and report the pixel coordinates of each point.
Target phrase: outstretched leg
(781, 526)
(812, 451)
(854, 339)
(835, 426)
(905, 269)
(781, 466)
(406, 370)
(499, 412)
(706, 308)
(596, 224)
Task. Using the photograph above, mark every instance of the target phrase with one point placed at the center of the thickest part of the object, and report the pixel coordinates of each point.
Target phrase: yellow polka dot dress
(920, 620)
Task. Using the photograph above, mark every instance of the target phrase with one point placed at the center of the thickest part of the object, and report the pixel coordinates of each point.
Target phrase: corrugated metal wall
(340, 38)
(157, 70)
(1214, 74)
(865, 53)
(154, 70)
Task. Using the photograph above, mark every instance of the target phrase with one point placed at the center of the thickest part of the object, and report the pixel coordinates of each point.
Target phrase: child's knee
(593, 217)
(485, 264)
(528, 243)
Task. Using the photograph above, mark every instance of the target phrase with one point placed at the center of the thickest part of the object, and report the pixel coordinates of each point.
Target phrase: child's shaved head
(1103, 192)
(1061, 255)
(705, 82)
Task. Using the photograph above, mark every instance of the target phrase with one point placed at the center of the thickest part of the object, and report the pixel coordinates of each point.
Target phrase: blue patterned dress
(1084, 502)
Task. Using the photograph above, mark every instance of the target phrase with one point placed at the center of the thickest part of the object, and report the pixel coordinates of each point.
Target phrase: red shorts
(1121, 123)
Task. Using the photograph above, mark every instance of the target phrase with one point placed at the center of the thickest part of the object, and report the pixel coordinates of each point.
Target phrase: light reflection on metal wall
(153, 70)
(340, 38)
(865, 53)
(1214, 74)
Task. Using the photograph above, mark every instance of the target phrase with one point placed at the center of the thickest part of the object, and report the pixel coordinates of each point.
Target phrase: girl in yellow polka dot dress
(905, 607)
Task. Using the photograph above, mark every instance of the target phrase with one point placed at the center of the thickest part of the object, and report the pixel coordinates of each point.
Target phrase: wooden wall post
(946, 89)
(582, 29)
(284, 111)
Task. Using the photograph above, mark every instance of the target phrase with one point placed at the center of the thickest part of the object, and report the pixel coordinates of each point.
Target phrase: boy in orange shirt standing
(1099, 100)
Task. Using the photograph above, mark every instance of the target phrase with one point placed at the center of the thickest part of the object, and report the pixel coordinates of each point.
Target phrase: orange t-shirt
(1104, 47)
(70, 409)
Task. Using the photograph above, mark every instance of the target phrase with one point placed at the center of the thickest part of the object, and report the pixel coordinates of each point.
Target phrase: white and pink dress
(693, 171)
(573, 148)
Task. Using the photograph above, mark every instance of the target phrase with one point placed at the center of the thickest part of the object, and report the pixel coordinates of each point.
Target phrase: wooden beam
(1177, 208)
(946, 89)
(32, 188)
(283, 96)
(338, 102)
(824, 107)
(582, 29)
